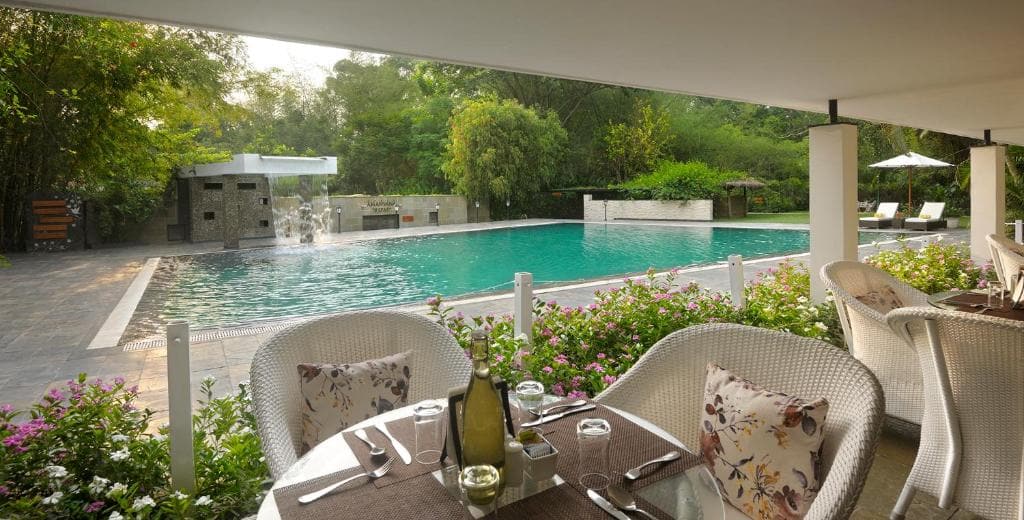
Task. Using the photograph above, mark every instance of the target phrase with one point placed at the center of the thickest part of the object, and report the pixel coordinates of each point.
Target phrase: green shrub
(579, 351)
(681, 181)
(934, 268)
(84, 452)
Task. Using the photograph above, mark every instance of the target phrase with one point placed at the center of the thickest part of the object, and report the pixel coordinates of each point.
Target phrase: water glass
(480, 485)
(995, 295)
(530, 395)
(427, 418)
(593, 437)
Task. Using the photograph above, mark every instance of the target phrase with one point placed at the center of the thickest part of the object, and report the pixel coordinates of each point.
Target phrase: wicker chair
(1007, 259)
(971, 439)
(870, 339)
(666, 387)
(438, 363)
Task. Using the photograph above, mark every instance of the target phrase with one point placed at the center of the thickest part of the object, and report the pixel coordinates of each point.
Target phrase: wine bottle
(483, 418)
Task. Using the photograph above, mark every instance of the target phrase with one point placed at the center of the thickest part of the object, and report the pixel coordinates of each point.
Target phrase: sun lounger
(883, 218)
(929, 219)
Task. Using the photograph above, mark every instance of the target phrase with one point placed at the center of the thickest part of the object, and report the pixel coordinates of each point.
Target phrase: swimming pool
(242, 286)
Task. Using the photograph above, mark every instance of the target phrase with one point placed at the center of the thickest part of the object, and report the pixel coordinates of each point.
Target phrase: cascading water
(301, 207)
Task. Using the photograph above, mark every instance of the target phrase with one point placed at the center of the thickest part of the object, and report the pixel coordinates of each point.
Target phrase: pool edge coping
(117, 321)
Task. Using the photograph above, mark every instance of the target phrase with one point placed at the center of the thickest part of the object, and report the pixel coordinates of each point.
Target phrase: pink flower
(561, 359)
(546, 333)
(6, 408)
(609, 379)
(691, 306)
(55, 395)
(93, 507)
(553, 341)
(584, 346)
(662, 310)
(558, 389)
(499, 358)
(610, 326)
(595, 367)
(592, 306)
(552, 303)
(601, 355)
(4, 491)
(636, 337)
(576, 394)
(547, 370)
(118, 380)
(433, 301)
(576, 381)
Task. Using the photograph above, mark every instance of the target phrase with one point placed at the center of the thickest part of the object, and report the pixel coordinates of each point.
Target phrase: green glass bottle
(483, 417)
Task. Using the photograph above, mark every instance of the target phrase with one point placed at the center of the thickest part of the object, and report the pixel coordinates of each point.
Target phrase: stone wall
(255, 216)
(413, 210)
(603, 210)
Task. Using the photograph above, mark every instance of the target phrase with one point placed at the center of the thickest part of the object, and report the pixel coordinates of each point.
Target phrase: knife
(555, 417)
(606, 505)
(402, 452)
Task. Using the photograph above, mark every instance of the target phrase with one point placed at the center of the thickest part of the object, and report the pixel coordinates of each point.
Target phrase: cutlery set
(621, 500)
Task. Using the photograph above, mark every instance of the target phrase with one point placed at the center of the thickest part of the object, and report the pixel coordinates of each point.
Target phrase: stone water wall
(413, 211)
(255, 217)
(604, 210)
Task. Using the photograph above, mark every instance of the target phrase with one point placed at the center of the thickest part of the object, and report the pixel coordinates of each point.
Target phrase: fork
(375, 474)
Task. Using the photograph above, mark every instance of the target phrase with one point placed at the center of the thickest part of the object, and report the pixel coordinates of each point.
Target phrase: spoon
(573, 404)
(623, 500)
(375, 451)
(634, 473)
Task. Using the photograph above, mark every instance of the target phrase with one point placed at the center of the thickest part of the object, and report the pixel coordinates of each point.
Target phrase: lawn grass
(795, 217)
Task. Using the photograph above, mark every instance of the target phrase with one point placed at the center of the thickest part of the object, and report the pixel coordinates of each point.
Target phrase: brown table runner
(420, 493)
(962, 302)
(404, 430)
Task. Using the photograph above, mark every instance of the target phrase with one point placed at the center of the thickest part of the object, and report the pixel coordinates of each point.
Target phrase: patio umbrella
(910, 160)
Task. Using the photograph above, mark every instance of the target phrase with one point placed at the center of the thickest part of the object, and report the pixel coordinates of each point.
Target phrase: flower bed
(933, 268)
(84, 452)
(579, 351)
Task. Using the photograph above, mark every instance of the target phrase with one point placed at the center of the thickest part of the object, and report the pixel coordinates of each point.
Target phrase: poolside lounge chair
(341, 338)
(929, 219)
(883, 217)
(666, 387)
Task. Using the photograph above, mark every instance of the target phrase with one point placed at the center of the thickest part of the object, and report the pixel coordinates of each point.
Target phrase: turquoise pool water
(239, 287)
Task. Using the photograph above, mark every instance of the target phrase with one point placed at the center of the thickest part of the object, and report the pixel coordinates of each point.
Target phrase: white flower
(97, 485)
(53, 499)
(158, 437)
(801, 299)
(119, 455)
(820, 325)
(204, 501)
(142, 503)
(178, 495)
(938, 238)
(115, 516)
(210, 380)
(56, 471)
(117, 437)
(117, 489)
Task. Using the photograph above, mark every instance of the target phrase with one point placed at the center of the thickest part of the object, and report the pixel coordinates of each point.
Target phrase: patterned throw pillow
(882, 300)
(338, 396)
(763, 447)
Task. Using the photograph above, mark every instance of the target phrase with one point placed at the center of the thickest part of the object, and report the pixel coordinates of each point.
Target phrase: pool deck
(53, 306)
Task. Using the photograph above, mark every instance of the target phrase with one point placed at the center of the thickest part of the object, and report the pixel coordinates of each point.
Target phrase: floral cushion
(338, 396)
(882, 300)
(763, 447)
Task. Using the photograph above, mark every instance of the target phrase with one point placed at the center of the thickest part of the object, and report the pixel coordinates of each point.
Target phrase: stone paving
(51, 306)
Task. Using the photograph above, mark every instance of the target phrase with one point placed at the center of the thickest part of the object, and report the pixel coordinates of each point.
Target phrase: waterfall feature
(301, 207)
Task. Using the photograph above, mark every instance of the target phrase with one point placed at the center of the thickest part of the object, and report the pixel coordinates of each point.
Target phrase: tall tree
(500, 150)
(635, 147)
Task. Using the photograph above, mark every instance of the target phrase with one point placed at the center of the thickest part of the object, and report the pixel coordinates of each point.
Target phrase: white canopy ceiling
(945, 65)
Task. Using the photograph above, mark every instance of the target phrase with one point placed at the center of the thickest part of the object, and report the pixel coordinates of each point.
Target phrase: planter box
(607, 210)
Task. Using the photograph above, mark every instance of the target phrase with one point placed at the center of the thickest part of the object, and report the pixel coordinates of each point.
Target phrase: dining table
(978, 302)
(690, 493)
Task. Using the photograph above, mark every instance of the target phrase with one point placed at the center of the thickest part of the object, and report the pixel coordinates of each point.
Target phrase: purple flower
(601, 355)
(558, 389)
(692, 306)
(576, 394)
(553, 341)
(576, 381)
(552, 303)
(55, 395)
(433, 301)
(609, 379)
(118, 380)
(499, 358)
(596, 367)
(636, 337)
(561, 359)
(4, 491)
(662, 310)
(93, 507)
(592, 306)
(6, 408)
(610, 326)
(547, 370)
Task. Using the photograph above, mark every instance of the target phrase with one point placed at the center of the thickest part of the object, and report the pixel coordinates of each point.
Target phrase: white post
(833, 204)
(736, 281)
(1018, 231)
(524, 305)
(988, 196)
(179, 396)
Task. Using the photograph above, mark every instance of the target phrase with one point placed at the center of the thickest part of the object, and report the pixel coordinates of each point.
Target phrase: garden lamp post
(508, 209)
(437, 210)
(477, 211)
(398, 220)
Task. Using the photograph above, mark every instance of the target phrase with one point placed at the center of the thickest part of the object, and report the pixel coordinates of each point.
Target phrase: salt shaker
(513, 463)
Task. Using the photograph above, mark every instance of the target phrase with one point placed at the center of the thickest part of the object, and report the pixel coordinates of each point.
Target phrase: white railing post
(523, 302)
(736, 281)
(1018, 231)
(179, 396)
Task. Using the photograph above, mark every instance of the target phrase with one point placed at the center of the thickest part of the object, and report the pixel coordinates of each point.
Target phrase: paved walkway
(52, 305)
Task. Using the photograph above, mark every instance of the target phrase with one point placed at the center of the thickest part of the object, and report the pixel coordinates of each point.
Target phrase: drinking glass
(995, 289)
(593, 437)
(530, 395)
(429, 431)
(480, 486)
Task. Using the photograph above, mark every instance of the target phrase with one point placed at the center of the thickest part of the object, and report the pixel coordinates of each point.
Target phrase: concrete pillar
(988, 196)
(833, 205)
(231, 227)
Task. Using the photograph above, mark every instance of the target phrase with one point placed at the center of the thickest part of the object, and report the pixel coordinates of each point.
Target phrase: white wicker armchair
(666, 387)
(438, 363)
(972, 437)
(870, 339)
(1007, 259)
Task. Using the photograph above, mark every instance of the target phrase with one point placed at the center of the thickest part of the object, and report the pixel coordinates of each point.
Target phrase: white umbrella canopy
(910, 160)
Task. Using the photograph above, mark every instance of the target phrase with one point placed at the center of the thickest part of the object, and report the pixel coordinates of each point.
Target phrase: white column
(523, 303)
(179, 396)
(988, 196)
(833, 179)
